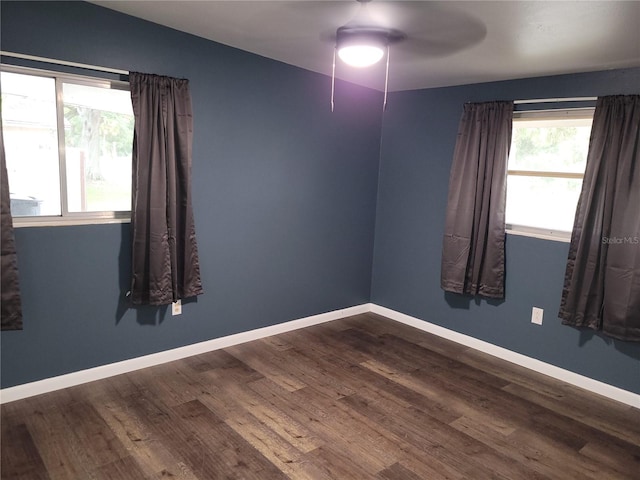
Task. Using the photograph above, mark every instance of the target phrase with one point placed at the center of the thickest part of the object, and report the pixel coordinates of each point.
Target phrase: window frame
(66, 217)
(549, 115)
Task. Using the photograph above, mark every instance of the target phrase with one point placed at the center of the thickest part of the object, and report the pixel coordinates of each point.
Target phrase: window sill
(20, 222)
(541, 233)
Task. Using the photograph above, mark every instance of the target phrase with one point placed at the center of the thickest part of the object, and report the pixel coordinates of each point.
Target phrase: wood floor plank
(267, 365)
(169, 382)
(312, 371)
(622, 459)
(20, 457)
(474, 396)
(379, 325)
(217, 441)
(544, 465)
(335, 463)
(571, 463)
(322, 341)
(623, 425)
(122, 469)
(356, 398)
(397, 471)
(150, 453)
(366, 448)
(326, 421)
(460, 452)
(60, 449)
(278, 451)
(237, 400)
(90, 429)
(550, 391)
(285, 426)
(397, 441)
(439, 400)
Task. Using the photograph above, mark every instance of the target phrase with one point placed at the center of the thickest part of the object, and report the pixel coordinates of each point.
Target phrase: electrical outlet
(536, 315)
(176, 307)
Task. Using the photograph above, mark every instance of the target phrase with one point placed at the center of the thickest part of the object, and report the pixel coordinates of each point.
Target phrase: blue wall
(419, 131)
(285, 208)
(284, 199)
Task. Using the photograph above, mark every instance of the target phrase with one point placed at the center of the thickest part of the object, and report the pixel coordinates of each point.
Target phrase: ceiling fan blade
(440, 47)
(431, 29)
(436, 30)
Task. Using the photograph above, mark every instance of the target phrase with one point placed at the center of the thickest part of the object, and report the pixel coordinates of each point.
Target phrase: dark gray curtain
(11, 317)
(474, 234)
(602, 280)
(165, 264)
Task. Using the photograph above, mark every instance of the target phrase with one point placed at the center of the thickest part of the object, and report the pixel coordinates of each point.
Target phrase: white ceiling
(449, 42)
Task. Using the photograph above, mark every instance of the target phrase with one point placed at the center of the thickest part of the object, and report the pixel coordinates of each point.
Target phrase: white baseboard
(84, 376)
(539, 366)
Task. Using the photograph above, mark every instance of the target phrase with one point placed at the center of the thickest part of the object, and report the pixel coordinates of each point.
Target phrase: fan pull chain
(333, 79)
(386, 83)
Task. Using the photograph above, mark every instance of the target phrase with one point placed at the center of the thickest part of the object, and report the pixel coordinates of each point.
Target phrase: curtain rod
(63, 62)
(556, 100)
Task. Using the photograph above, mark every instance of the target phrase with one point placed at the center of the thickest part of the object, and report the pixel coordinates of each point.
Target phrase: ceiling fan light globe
(360, 56)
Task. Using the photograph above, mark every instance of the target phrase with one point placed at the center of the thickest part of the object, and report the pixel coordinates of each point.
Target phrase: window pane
(550, 142)
(542, 202)
(31, 144)
(560, 147)
(98, 128)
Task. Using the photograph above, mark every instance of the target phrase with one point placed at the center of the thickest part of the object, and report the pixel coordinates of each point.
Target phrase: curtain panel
(474, 235)
(11, 315)
(602, 279)
(165, 264)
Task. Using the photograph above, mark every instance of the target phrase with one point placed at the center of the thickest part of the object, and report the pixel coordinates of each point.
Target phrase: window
(546, 166)
(68, 143)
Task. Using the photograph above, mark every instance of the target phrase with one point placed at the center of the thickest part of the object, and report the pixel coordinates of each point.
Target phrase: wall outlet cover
(536, 315)
(176, 307)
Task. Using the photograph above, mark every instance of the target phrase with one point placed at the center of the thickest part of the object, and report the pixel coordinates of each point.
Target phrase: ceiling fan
(361, 43)
(376, 26)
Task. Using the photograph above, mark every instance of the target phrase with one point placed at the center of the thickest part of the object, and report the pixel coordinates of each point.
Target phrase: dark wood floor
(363, 397)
